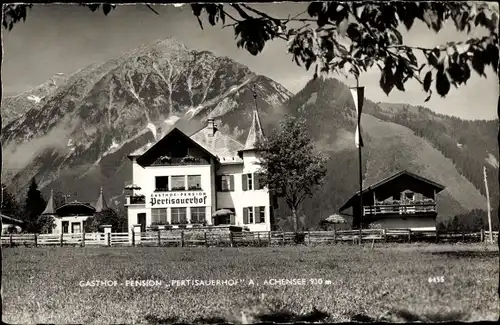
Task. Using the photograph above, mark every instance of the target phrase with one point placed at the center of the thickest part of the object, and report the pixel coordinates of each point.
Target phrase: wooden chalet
(403, 200)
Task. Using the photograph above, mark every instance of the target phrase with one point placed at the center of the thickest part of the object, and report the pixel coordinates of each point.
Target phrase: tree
(10, 206)
(291, 167)
(45, 224)
(34, 206)
(106, 217)
(355, 36)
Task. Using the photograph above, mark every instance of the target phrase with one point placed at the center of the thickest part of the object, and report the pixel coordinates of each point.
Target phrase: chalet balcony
(174, 161)
(135, 199)
(410, 208)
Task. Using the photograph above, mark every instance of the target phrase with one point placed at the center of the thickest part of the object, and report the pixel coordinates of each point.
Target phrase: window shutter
(244, 182)
(256, 181)
(231, 182)
(233, 220)
(245, 216)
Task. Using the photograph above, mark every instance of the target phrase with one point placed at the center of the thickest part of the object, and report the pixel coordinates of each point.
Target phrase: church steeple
(255, 134)
(49, 209)
(100, 205)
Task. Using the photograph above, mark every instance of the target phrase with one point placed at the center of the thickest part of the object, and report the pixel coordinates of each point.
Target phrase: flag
(358, 97)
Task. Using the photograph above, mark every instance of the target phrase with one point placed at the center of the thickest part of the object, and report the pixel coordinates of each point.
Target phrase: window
(248, 215)
(161, 183)
(65, 227)
(198, 214)
(178, 215)
(159, 216)
(227, 183)
(76, 228)
(194, 182)
(247, 183)
(260, 214)
(178, 183)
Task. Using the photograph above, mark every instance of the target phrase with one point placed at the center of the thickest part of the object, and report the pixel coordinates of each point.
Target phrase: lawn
(389, 282)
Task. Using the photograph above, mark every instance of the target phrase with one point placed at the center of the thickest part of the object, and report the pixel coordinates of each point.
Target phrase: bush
(299, 238)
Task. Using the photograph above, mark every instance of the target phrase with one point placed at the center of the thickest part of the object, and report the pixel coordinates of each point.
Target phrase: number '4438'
(436, 279)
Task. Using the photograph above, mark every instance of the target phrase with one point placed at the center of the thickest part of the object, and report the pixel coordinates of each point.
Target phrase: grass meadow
(388, 282)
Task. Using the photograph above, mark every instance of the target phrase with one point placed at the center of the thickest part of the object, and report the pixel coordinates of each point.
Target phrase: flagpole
(360, 173)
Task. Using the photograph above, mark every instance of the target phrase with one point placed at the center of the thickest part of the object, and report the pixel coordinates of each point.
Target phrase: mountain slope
(389, 147)
(469, 144)
(15, 106)
(89, 124)
(78, 140)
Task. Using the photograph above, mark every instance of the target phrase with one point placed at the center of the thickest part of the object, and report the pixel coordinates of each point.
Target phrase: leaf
(478, 62)
(442, 83)
(492, 53)
(353, 32)
(428, 97)
(427, 81)
(421, 67)
(386, 79)
(106, 8)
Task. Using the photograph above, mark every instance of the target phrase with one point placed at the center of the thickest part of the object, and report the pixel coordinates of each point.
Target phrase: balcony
(135, 199)
(411, 208)
(174, 161)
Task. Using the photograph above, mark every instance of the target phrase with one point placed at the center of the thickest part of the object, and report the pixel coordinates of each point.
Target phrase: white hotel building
(185, 179)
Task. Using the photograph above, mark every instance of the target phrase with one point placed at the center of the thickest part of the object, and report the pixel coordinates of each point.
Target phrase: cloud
(18, 156)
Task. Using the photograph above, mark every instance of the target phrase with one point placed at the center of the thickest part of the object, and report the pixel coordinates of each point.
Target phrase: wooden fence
(263, 238)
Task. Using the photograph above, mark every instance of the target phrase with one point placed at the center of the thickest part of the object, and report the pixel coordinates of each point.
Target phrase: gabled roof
(219, 144)
(255, 134)
(100, 205)
(175, 131)
(367, 189)
(76, 204)
(49, 209)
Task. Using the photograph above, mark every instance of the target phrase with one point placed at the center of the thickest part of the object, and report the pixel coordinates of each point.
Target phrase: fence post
(463, 236)
(360, 235)
(36, 240)
(61, 239)
(385, 235)
(409, 235)
(83, 238)
(159, 237)
(133, 238)
(334, 235)
(107, 233)
(309, 236)
(182, 238)
(269, 237)
(258, 238)
(11, 241)
(283, 238)
(206, 241)
(437, 236)
(482, 235)
(231, 238)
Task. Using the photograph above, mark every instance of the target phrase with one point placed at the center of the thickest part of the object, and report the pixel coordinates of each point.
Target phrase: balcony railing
(400, 208)
(136, 199)
(180, 161)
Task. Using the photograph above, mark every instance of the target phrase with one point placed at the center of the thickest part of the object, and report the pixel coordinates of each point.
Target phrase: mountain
(389, 147)
(15, 106)
(469, 144)
(79, 137)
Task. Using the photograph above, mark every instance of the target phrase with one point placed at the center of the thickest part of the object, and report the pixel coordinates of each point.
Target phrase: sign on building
(178, 199)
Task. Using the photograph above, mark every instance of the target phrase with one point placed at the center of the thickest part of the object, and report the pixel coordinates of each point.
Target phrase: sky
(58, 38)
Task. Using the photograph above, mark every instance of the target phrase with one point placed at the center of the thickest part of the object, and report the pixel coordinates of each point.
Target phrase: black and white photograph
(250, 162)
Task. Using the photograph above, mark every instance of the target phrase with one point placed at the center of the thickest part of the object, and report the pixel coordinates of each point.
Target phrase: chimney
(211, 126)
